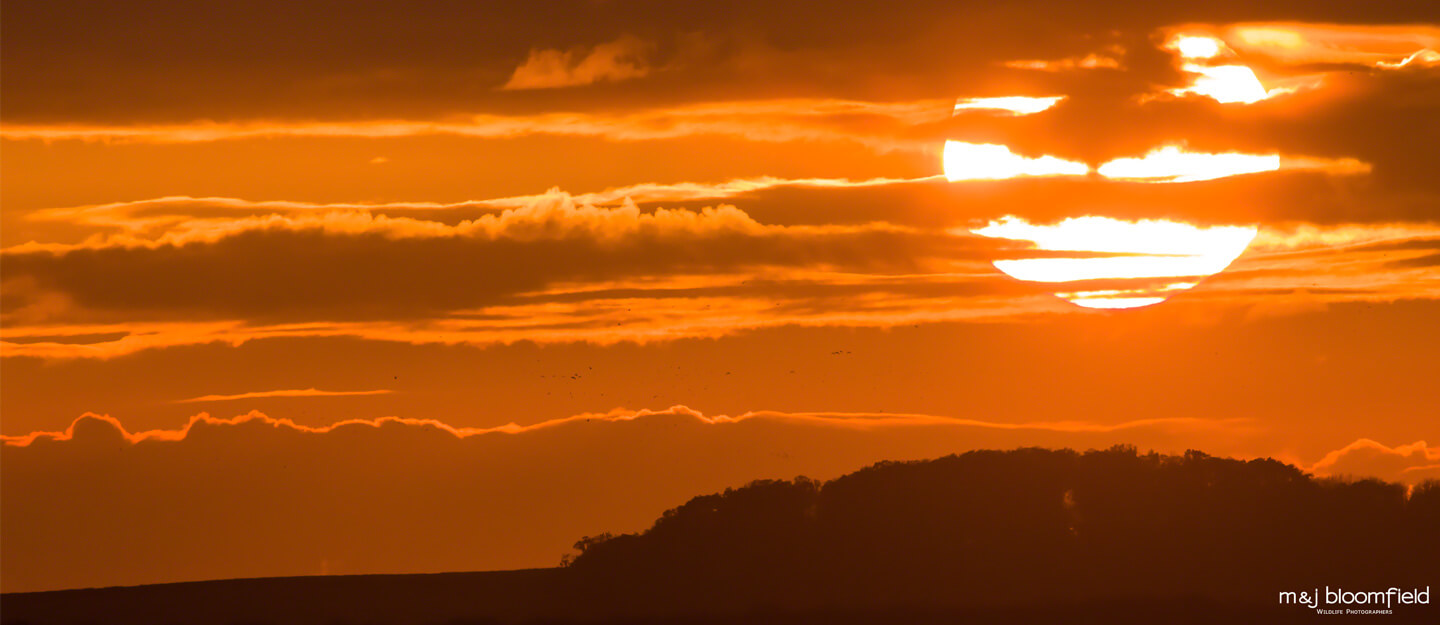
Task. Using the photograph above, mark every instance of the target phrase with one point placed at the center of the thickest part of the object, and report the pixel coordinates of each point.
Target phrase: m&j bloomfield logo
(1341, 601)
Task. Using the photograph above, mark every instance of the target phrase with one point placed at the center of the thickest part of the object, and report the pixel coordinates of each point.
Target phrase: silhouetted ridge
(1031, 525)
(1023, 536)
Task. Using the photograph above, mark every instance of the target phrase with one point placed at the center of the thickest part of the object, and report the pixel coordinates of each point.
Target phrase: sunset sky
(421, 287)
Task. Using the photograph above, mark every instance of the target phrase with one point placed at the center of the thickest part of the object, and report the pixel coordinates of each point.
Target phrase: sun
(988, 161)
(1197, 47)
(1138, 263)
(1100, 262)
(1173, 164)
(1225, 83)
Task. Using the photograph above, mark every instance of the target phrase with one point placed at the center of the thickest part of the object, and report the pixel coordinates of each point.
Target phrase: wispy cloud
(625, 58)
(305, 392)
(1368, 458)
(882, 125)
(846, 420)
(178, 212)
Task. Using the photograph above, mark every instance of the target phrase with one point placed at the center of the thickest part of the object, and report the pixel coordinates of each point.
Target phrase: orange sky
(740, 218)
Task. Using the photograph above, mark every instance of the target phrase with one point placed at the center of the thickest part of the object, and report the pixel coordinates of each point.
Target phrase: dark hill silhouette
(1033, 525)
(1029, 535)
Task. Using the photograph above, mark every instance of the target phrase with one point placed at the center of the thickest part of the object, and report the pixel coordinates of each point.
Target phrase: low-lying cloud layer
(254, 495)
(1366, 458)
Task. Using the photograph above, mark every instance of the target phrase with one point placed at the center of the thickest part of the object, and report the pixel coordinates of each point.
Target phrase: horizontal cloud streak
(882, 125)
(1377, 45)
(860, 420)
(339, 266)
(305, 392)
(640, 318)
(581, 272)
(175, 212)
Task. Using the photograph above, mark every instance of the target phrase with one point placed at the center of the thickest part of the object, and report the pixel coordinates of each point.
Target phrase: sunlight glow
(1110, 302)
(1225, 83)
(988, 161)
(1384, 46)
(1423, 57)
(1268, 37)
(1089, 61)
(1173, 164)
(1015, 105)
(1123, 298)
(1195, 47)
(1229, 83)
(1154, 249)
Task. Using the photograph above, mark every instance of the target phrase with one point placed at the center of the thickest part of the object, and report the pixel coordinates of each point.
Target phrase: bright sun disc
(989, 161)
(1172, 164)
(1014, 105)
(1225, 83)
(1168, 256)
(1195, 47)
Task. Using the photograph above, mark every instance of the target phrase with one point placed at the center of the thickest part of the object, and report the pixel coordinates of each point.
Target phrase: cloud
(1372, 263)
(883, 125)
(255, 495)
(331, 255)
(615, 61)
(1373, 45)
(1347, 122)
(1366, 458)
(1094, 60)
(158, 214)
(186, 271)
(516, 275)
(1344, 122)
(177, 271)
(852, 420)
(366, 61)
(596, 316)
(306, 392)
(273, 497)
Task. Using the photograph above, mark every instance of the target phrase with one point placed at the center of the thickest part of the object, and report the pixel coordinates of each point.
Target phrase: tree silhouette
(1012, 526)
(1021, 536)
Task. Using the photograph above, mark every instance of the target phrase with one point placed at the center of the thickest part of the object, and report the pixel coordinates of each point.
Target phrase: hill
(1028, 535)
